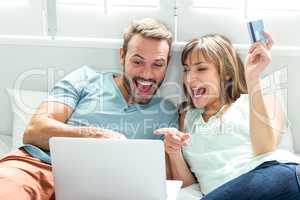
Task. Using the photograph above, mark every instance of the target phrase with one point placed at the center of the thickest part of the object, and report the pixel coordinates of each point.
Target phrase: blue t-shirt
(98, 102)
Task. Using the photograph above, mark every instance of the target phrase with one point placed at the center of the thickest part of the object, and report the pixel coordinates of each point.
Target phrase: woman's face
(202, 81)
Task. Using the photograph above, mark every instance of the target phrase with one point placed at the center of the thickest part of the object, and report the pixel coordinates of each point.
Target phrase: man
(96, 105)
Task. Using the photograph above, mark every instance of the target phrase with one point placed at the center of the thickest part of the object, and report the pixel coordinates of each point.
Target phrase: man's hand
(174, 140)
(94, 132)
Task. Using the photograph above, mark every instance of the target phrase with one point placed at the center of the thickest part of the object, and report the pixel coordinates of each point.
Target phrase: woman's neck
(212, 109)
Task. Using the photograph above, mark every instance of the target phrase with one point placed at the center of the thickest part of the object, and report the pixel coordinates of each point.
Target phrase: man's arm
(50, 121)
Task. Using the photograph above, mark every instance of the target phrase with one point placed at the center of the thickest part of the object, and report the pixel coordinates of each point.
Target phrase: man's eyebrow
(156, 60)
(137, 55)
(160, 59)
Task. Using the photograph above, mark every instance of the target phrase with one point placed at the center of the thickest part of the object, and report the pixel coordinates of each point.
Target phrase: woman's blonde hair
(218, 49)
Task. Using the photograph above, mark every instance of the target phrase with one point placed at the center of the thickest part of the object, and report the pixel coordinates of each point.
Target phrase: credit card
(256, 30)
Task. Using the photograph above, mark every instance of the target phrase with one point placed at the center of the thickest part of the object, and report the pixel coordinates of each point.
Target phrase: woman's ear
(122, 55)
(227, 77)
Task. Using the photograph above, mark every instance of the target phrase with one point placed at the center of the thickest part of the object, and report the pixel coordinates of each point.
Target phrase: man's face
(145, 65)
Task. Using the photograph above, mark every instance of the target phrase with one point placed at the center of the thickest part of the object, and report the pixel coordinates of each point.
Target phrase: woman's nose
(191, 77)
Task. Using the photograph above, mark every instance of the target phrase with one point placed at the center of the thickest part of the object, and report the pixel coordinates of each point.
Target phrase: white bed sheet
(191, 192)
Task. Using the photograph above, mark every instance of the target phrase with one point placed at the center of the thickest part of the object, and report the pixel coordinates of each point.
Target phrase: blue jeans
(269, 181)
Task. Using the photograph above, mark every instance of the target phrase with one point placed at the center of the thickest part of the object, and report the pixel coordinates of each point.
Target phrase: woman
(229, 134)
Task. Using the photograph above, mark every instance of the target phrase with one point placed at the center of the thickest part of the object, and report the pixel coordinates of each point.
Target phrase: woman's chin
(198, 103)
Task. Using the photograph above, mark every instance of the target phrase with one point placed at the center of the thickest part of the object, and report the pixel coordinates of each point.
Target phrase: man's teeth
(145, 83)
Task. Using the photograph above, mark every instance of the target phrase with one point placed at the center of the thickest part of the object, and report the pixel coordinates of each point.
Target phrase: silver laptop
(89, 169)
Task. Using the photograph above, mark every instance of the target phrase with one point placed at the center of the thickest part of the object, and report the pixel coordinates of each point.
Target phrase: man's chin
(143, 99)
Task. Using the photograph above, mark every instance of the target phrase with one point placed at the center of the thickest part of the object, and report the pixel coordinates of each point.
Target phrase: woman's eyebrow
(198, 63)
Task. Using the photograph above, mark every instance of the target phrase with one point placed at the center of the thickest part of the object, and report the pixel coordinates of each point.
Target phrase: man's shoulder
(91, 74)
(167, 112)
(91, 71)
(83, 73)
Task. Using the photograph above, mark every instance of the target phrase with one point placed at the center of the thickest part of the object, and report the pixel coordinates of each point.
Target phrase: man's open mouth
(143, 86)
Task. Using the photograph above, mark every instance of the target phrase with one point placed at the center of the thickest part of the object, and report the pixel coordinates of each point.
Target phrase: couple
(226, 140)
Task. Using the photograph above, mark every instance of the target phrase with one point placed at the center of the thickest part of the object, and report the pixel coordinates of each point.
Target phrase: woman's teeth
(198, 92)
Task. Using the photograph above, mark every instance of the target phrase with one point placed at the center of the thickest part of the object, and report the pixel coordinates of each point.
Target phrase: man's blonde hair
(148, 28)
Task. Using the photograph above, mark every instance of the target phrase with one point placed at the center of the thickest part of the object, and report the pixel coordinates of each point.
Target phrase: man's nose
(147, 72)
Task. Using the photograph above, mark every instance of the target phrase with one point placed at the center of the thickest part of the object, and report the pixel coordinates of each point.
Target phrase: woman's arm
(266, 120)
(266, 117)
(178, 168)
(168, 167)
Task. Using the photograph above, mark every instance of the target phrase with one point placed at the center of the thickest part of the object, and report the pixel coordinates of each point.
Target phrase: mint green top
(220, 149)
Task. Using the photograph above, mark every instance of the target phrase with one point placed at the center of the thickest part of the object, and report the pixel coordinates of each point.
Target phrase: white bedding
(5, 144)
(190, 193)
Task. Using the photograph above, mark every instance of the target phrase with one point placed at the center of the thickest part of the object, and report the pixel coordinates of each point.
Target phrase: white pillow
(23, 105)
(5, 145)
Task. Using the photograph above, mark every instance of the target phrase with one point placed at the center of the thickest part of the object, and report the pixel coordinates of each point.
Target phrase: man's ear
(122, 55)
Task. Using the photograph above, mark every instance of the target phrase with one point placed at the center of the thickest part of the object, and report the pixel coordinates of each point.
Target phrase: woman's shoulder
(239, 109)
(244, 98)
(189, 111)
(188, 115)
(241, 103)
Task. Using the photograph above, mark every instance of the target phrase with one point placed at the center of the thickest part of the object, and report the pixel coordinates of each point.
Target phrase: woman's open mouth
(198, 92)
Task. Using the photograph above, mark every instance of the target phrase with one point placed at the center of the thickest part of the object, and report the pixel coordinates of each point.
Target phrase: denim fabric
(269, 181)
(298, 174)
